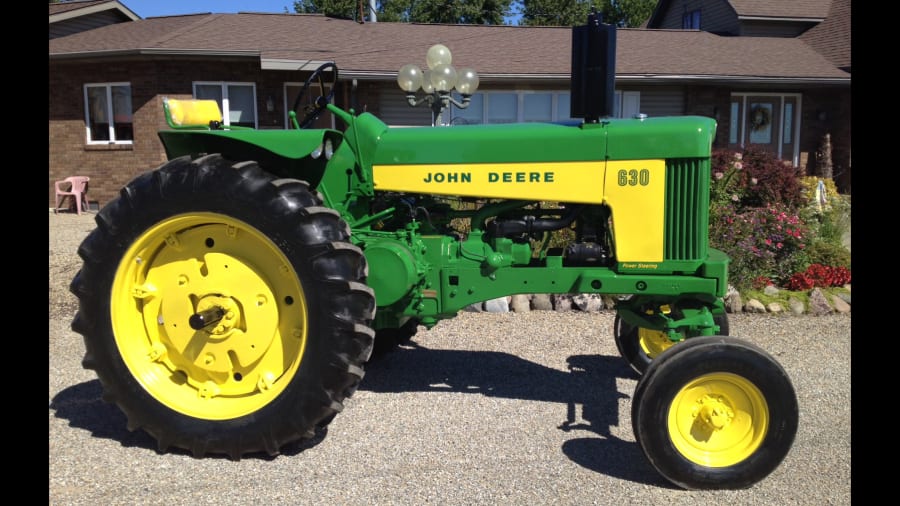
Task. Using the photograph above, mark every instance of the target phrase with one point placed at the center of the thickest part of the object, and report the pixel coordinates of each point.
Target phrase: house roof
(497, 52)
(62, 11)
(793, 9)
(831, 37)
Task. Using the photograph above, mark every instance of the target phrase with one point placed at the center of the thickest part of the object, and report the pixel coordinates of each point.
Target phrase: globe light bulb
(443, 77)
(427, 87)
(438, 54)
(467, 82)
(409, 78)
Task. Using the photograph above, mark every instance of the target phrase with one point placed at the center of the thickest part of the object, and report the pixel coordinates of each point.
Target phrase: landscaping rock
(797, 306)
(839, 304)
(520, 303)
(541, 302)
(588, 302)
(498, 305)
(771, 291)
(562, 302)
(608, 302)
(774, 307)
(733, 303)
(754, 306)
(818, 304)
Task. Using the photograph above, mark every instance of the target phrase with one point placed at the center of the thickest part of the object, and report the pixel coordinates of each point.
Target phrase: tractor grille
(687, 208)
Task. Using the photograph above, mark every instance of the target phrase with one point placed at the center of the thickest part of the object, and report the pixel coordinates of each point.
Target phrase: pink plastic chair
(75, 187)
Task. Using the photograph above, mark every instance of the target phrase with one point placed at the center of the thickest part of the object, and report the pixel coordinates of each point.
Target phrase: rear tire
(284, 323)
(715, 412)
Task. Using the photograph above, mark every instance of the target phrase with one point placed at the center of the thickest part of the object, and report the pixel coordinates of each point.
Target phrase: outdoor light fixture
(437, 82)
(270, 103)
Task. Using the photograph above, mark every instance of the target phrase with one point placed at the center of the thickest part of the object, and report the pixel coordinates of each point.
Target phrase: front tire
(223, 310)
(715, 412)
(639, 346)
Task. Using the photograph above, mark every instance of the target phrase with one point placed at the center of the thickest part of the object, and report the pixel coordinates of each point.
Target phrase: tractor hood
(564, 162)
(671, 137)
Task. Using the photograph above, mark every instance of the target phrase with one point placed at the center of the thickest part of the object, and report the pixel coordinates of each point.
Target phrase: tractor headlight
(329, 149)
(316, 153)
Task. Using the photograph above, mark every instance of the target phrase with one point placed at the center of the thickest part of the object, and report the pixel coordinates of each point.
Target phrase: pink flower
(768, 242)
(779, 245)
(719, 175)
(753, 180)
(738, 165)
(735, 197)
(738, 156)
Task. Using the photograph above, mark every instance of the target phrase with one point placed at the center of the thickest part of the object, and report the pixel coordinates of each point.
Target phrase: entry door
(762, 123)
(769, 122)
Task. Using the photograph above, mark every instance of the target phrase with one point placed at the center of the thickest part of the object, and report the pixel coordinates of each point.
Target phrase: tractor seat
(194, 114)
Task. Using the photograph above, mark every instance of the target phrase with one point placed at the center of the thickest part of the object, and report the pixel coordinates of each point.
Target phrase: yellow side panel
(635, 191)
(580, 182)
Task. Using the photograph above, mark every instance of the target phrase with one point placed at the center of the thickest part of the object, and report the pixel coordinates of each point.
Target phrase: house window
(627, 104)
(108, 114)
(511, 107)
(237, 101)
(691, 20)
(529, 106)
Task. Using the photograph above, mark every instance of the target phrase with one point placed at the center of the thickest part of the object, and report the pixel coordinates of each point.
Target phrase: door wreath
(760, 117)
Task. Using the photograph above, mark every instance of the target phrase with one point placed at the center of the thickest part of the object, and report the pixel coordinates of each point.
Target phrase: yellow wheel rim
(718, 420)
(653, 342)
(209, 263)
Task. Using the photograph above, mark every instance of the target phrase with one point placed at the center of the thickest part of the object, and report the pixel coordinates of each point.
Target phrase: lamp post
(437, 83)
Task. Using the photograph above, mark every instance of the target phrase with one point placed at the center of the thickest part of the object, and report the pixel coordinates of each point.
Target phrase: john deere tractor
(230, 299)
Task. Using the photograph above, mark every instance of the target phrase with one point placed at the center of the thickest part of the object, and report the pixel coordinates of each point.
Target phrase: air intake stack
(593, 70)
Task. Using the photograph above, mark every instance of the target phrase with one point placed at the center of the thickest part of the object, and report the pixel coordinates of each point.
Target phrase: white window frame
(109, 113)
(627, 104)
(742, 96)
(631, 97)
(224, 105)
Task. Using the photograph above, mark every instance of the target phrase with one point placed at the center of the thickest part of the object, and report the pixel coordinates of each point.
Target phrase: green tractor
(230, 299)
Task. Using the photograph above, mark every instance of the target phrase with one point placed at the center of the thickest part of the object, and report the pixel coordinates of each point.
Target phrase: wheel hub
(226, 315)
(714, 412)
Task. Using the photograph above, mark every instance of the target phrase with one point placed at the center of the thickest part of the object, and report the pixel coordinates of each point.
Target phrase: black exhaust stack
(593, 70)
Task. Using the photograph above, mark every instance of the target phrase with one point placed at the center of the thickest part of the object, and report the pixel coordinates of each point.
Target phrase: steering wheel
(309, 112)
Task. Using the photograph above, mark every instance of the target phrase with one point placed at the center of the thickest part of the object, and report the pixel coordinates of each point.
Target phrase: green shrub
(754, 178)
(827, 253)
(767, 241)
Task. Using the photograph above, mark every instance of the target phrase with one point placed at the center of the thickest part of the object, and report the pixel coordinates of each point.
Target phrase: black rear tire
(715, 412)
(284, 323)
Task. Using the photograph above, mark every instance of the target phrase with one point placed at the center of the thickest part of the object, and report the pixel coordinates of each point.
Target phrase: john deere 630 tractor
(230, 299)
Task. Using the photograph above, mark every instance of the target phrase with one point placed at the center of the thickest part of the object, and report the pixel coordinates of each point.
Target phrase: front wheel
(639, 346)
(715, 412)
(223, 310)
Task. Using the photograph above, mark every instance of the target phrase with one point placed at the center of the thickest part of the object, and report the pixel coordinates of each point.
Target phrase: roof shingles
(491, 50)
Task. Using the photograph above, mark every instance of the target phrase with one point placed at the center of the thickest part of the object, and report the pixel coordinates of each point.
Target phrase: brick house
(107, 83)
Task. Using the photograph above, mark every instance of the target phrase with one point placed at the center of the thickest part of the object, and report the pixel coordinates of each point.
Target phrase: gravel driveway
(486, 408)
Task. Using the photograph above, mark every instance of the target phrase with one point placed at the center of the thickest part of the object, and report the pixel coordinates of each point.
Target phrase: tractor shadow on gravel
(84, 408)
(590, 383)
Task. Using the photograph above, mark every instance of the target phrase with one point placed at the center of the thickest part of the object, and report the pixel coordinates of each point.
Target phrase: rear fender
(293, 153)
